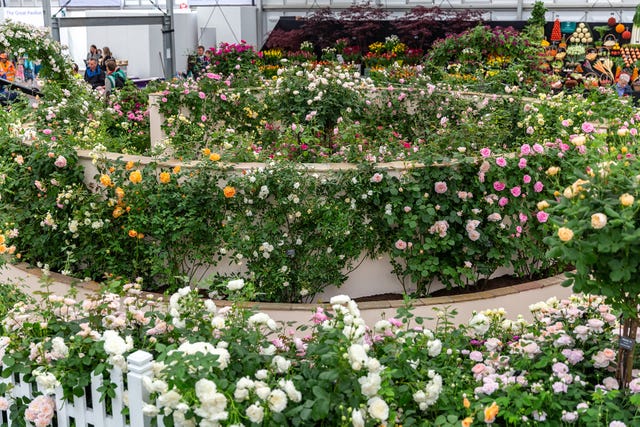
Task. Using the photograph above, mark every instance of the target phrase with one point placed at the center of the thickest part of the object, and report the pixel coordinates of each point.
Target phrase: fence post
(139, 366)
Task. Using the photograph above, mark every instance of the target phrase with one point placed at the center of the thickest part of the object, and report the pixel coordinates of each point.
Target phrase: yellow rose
(491, 412)
(466, 403)
(206, 151)
(105, 180)
(2, 240)
(565, 234)
(598, 220)
(626, 200)
(214, 157)
(176, 169)
(553, 170)
(135, 177)
(568, 193)
(165, 177)
(542, 205)
(467, 422)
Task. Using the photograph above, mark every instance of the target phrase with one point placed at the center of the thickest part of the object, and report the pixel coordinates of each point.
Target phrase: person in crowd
(115, 79)
(202, 61)
(7, 69)
(106, 55)
(75, 71)
(94, 75)
(93, 54)
(622, 85)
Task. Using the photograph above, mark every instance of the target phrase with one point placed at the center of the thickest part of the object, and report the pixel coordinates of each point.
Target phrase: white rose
(434, 347)
(277, 401)
(339, 299)
(235, 285)
(357, 419)
(255, 413)
(281, 364)
(378, 409)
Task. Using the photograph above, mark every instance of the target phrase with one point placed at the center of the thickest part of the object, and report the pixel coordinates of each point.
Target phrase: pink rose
(526, 179)
(501, 161)
(538, 186)
(516, 191)
(587, 127)
(485, 152)
(60, 162)
(525, 150)
(499, 186)
(522, 163)
(440, 187)
(401, 245)
(542, 216)
(503, 201)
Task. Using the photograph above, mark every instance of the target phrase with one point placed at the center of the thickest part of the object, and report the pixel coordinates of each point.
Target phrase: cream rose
(553, 170)
(598, 220)
(565, 234)
(626, 199)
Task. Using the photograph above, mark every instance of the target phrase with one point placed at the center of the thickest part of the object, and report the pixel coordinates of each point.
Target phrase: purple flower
(476, 356)
(559, 387)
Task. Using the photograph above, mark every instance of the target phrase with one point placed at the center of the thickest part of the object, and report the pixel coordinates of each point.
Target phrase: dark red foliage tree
(285, 40)
(364, 24)
(322, 28)
(421, 26)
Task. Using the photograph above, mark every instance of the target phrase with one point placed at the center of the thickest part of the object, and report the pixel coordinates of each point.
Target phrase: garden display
(452, 162)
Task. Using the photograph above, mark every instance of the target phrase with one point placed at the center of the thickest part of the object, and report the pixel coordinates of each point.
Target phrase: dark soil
(484, 285)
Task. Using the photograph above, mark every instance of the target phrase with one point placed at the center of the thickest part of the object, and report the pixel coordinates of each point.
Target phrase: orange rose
(119, 193)
(129, 165)
(466, 403)
(165, 177)
(229, 192)
(135, 177)
(467, 422)
(176, 169)
(206, 151)
(140, 236)
(214, 157)
(106, 180)
(133, 233)
(491, 413)
(117, 212)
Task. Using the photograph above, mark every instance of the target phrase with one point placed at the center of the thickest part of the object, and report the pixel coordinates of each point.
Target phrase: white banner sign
(27, 15)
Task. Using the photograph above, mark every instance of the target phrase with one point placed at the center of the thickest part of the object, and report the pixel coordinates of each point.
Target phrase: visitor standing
(93, 54)
(115, 79)
(94, 75)
(7, 69)
(106, 55)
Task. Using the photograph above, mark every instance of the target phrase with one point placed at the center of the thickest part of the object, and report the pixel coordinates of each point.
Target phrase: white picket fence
(88, 411)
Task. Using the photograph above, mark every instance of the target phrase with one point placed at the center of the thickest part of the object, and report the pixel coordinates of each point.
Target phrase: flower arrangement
(335, 370)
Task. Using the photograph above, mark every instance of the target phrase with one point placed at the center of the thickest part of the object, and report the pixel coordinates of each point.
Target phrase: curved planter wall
(514, 299)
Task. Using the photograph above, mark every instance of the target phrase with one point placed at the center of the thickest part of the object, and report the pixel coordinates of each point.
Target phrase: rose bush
(334, 370)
